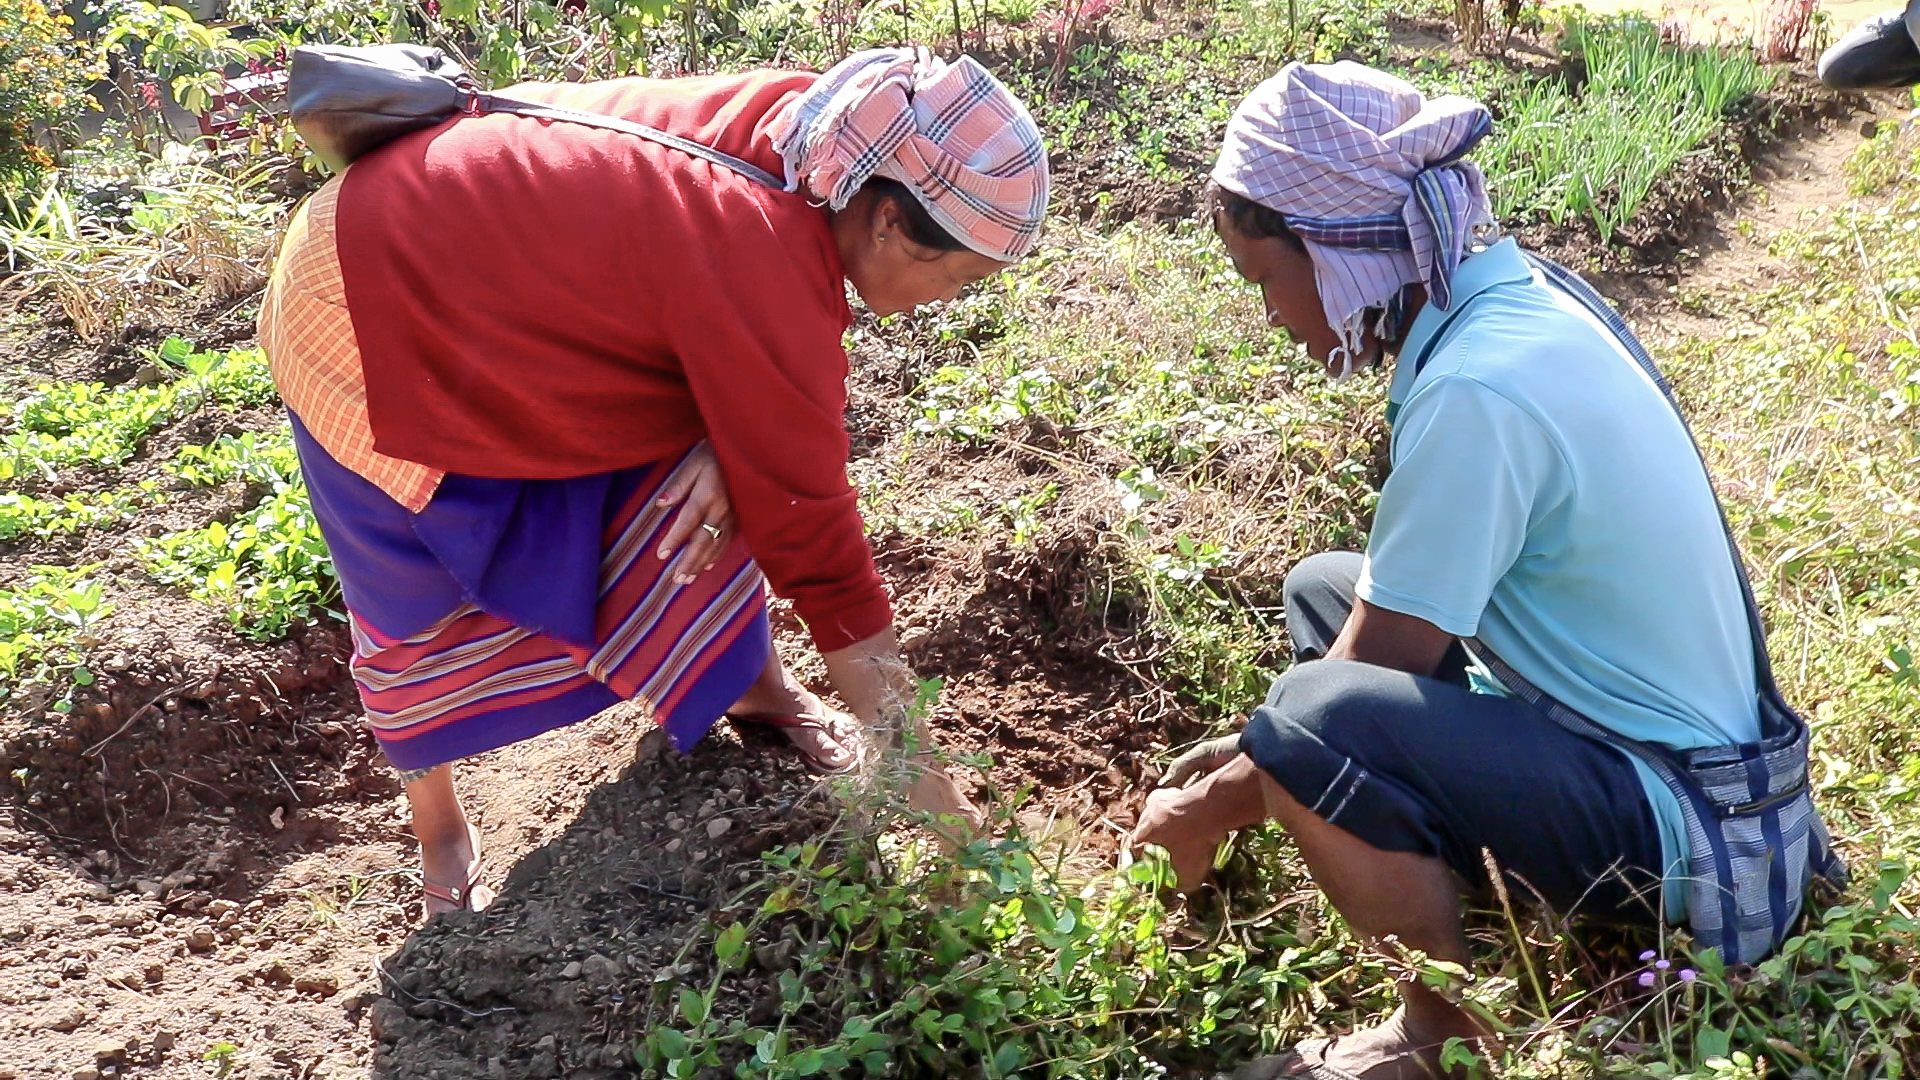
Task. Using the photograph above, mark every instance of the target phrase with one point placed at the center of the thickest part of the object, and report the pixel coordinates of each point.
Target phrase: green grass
(1561, 154)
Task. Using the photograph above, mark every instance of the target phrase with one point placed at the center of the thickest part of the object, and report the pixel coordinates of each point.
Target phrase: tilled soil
(206, 857)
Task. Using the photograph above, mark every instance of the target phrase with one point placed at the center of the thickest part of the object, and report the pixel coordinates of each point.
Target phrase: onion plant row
(1567, 149)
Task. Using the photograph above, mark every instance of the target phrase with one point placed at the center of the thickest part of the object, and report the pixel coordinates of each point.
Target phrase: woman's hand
(704, 526)
(880, 689)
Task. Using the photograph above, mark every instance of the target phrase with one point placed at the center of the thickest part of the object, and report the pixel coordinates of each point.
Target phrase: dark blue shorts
(1425, 765)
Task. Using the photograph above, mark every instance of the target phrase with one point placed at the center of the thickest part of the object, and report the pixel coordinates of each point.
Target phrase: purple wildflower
(1648, 955)
(1663, 963)
(1646, 978)
(1687, 975)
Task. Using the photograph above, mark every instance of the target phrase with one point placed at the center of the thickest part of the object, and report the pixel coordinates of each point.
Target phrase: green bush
(44, 72)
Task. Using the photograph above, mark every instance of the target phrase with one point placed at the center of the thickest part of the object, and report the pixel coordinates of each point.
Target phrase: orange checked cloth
(308, 337)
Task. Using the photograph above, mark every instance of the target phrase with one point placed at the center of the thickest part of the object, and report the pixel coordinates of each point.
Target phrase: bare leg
(1411, 898)
(777, 693)
(446, 846)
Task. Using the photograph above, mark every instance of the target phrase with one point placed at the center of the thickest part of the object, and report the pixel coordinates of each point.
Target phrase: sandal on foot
(470, 895)
(820, 761)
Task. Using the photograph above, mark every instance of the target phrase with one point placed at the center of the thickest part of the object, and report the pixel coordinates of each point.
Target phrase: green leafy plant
(27, 515)
(267, 570)
(190, 55)
(45, 623)
(270, 461)
(60, 424)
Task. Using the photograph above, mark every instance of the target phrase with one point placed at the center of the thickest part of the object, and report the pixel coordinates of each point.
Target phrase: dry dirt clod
(163, 1040)
(200, 940)
(109, 1051)
(318, 985)
(65, 1017)
(87, 1073)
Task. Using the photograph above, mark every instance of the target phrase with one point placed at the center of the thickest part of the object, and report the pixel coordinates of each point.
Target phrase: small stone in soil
(319, 985)
(65, 1018)
(109, 1051)
(718, 827)
(200, 940)
(163, 1040)
(571, 971)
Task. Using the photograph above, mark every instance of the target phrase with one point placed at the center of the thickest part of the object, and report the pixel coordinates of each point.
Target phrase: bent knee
(1323, 696)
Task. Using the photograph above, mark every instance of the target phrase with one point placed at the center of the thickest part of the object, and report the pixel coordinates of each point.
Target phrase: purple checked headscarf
(1367, 171)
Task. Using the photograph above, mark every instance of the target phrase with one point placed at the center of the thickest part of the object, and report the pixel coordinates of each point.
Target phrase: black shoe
(1877, 54)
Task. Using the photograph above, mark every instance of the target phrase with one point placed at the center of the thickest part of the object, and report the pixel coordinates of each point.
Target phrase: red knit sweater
(535, 299)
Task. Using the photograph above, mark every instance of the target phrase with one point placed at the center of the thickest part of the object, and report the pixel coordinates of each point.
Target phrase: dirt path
(1795, 180)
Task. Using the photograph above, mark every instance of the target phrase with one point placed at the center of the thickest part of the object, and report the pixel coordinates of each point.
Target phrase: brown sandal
(470, 895)
(818, 762)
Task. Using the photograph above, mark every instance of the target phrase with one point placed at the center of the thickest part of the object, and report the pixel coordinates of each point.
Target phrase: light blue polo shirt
(1545, 497)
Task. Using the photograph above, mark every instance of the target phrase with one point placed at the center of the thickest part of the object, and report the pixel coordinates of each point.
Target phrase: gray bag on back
(346, 101)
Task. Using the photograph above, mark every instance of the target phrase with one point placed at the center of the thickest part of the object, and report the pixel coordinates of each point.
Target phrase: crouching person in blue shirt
(1547, 658)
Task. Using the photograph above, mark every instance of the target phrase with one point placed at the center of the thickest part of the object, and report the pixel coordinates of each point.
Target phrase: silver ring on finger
(712, 529)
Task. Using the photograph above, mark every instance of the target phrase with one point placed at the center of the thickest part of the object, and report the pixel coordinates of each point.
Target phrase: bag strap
(1577, 287)
(1697, 810)
(480, 103)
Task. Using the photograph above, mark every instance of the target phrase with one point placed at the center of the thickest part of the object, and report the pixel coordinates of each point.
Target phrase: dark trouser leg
(1319, 596)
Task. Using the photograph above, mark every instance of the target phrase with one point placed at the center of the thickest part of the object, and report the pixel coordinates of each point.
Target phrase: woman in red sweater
(511, 347)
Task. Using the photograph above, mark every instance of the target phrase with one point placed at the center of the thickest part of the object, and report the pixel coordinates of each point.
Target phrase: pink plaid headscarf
(956, 137)
(1367, 171)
